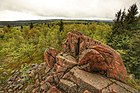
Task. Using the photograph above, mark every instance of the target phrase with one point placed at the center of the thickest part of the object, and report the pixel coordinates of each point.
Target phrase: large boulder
(78, 81)
(99, 56)
(86, 65)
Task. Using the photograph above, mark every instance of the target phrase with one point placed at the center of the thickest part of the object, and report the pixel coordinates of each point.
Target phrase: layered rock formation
(83, 66)
(91, 55)
(87, 66)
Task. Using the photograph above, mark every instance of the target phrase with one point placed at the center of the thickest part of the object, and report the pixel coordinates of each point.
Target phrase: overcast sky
(42, 9)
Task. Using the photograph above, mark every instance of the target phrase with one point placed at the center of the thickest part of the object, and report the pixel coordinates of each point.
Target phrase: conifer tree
(126, 21)
(9, 26)
(21, 27)
(125, 37)
(61, 26)
(31, 26)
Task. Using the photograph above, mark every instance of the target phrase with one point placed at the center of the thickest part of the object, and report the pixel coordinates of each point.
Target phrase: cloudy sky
(43, 9)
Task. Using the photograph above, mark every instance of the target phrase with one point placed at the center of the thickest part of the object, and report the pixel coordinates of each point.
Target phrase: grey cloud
(68, 8)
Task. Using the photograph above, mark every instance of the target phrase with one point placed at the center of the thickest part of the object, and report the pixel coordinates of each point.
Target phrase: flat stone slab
(94, 80)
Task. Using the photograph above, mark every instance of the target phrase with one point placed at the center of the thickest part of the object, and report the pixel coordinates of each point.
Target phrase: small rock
(29, 88)
(2, 92)
(132, 76)
(86, 91)
(31, 73)
(53, 89)
(5, 73)
(47, 69)
(21, 86)
(37, 76)
(49, 79)
(10, 90)
(35, 90)
(43, 86)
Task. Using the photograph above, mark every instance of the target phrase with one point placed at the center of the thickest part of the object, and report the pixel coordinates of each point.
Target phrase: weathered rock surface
(70, 80)
(84, 66)
(100, 57)
(50, 56)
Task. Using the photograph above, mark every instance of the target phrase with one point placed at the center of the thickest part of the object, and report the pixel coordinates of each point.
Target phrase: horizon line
(64, 18)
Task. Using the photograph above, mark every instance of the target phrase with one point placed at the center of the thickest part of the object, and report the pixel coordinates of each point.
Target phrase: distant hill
(27, 22)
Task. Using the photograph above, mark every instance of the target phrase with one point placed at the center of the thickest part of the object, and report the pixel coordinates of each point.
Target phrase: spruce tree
(31, 26)
(125, 37)
(126, 21)
(21, 27)
(61, 26)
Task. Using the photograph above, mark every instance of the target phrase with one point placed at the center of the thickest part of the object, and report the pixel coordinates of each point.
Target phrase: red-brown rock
(50, 56)
(100, 57)
(64, 62)
(86, 91)
(53, 89)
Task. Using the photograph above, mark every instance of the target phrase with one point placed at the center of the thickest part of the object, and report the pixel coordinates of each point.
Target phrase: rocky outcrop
(92, 55)
(83, 66)
(39, 78)
(88, 66)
